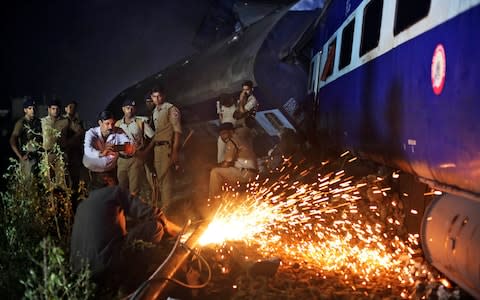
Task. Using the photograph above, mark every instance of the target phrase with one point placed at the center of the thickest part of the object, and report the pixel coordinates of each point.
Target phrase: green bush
(36, 214)
(54, 279)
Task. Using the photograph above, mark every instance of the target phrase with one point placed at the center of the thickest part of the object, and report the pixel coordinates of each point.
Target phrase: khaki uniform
(27, 135)
(166, 119)
(130, 169)
(148, 185)
(225, 116)
(50, 128)
(251, 106)
(239, 151)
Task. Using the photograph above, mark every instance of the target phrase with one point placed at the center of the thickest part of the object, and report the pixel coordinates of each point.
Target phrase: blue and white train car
(396, 81)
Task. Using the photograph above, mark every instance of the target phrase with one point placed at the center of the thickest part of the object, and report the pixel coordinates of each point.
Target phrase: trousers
(130, 172)
(161, 161)
(230, 175)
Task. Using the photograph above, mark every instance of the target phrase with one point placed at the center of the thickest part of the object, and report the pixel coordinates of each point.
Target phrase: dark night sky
(92, 50)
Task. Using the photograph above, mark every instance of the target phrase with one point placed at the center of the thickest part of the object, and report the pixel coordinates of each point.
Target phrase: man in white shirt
(130, 168)
(103, 143)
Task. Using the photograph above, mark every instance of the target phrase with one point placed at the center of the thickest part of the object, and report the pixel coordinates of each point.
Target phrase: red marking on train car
(439, 69)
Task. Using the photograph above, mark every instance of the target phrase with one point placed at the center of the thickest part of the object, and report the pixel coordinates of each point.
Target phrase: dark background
(87, 50)
(91, 50)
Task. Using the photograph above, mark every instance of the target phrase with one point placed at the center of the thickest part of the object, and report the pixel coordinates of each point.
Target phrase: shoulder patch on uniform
(175, 113)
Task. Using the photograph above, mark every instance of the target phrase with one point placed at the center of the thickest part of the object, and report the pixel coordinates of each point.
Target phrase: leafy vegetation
(54, 279)
(35, 224)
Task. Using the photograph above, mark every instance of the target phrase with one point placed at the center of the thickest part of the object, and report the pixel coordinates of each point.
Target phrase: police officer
(148, 111)
(72, 114)
(26, 137)
(240, 161)
(74, 147)
(247, 106)
(166, 142)
(226, 108)
(149, 106)
(130, 168)
(149, 184)
(52, 124)
(55, 131)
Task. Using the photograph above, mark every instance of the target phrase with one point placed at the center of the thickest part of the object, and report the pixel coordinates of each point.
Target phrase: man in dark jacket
(100, 230)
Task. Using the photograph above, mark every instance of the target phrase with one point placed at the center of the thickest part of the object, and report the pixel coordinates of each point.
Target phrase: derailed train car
(396, 83)
(264, 52)
(393, 81)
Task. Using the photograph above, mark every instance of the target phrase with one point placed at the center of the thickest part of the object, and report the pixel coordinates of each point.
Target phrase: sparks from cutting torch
(319, 223)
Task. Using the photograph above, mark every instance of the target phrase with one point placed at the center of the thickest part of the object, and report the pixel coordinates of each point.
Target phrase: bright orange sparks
(321, 223)
(445, 283)
(238, 222)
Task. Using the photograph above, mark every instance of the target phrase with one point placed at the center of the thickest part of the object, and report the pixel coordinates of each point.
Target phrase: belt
(249, 170)
(162, 143)
(124, 156)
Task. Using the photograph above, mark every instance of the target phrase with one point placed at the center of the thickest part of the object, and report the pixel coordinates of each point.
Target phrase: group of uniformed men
(31, 136)
(124, 145)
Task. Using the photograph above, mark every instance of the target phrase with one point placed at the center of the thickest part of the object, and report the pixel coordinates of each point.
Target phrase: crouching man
(240, 162)
(100, 230)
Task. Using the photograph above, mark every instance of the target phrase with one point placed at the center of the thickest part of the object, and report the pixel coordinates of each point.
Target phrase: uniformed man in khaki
(226, 108)
(130, 168)
(247, 106)
(51, 123)
(26, 138)
(166, 119)
(55, 130)
(74, 148)
(240, 161)
(147, 154)
(149, 106)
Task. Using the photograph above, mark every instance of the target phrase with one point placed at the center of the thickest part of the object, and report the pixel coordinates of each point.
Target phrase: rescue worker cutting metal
(100, 231)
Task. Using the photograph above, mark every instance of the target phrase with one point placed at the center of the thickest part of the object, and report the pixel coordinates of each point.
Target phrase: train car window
(409, 12)
(347, 41)
(274, 120)
(372, 19)
(328, 68)
(320, 71)
(311, 82)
